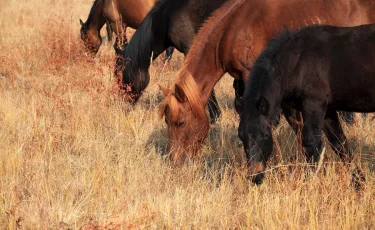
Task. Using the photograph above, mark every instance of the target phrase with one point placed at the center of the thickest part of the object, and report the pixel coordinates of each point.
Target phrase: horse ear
(165, 90)
(180, 94)
(81, 22)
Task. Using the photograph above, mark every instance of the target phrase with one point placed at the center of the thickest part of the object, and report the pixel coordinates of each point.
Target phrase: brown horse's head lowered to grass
(232, 38)
(91, 38)
(184, 105)
(187, 127)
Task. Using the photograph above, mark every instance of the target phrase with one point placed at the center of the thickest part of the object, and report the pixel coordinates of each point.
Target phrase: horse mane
(140, 48)
(185, 81)
(93, 7)
(200, 41)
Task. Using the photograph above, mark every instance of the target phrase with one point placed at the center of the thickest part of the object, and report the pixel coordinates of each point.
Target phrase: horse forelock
(171, 103)
(190, 88)
(187, 84)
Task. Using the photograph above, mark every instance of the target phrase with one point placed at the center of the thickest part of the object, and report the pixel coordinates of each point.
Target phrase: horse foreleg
(313, 119)
(124, 38)
(120, 31)
(348, 117)
(239, 89)
(213, 108)
(168, 53)
(294, 118)
(109, 32)
(339, 143)
(336, 136)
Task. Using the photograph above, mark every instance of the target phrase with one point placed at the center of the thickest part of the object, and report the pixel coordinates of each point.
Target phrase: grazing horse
(229, 42)
(169, 23)
(316, 70)
(119, 14)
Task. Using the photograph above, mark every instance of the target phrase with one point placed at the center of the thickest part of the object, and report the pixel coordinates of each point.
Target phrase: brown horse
(119, 14)
(229, 42)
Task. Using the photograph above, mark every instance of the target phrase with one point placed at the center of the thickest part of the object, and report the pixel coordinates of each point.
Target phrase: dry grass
(73, 155)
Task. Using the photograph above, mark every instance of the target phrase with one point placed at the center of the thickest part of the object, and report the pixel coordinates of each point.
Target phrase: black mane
(93, 7)
(137, 53)
(89, 17)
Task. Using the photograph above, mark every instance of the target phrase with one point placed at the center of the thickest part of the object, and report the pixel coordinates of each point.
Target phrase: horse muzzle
(255, 172)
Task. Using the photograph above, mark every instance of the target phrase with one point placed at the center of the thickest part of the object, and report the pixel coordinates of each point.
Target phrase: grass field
(73, 155)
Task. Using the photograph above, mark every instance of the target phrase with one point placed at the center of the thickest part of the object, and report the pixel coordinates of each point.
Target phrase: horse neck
(206, 60)
(144, 46)
(96, 20)
(206, 73)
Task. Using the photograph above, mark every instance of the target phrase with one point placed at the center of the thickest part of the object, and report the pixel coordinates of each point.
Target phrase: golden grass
(75, 156)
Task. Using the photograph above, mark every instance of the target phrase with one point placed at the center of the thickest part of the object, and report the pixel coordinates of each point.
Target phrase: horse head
(255, 133)
(91, 38)
(187, 127)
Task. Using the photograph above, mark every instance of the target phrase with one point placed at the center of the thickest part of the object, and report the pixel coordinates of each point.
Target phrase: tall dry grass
(75, 156)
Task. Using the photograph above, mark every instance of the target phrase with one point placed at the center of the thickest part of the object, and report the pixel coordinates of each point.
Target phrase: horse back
(336, 62)
(129, 12)
(248, 29)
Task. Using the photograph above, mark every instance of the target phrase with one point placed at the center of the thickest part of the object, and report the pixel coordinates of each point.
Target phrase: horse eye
(166, 121)
(180, 123)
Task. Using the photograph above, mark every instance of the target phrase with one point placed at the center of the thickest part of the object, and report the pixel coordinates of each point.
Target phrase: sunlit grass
(74, 155)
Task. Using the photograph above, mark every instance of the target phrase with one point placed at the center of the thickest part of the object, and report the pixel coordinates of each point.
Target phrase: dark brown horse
(229, 42)
(119, 14)
(169, 23)
(317, 70)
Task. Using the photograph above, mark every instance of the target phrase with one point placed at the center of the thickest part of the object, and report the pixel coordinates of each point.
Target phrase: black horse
(317, 70)
(169, 23)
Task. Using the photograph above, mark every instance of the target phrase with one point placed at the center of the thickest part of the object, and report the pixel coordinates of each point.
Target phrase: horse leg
(109, 32)
(293, 117)
(313, 119)
(348, 117)
(122, 40)
(239, 89)
(114, 18)
(168, 53)
(213, 108)
(120, 31)
(337, 139)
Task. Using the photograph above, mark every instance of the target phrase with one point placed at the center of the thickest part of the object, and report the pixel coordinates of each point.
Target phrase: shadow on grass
(158, 140)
